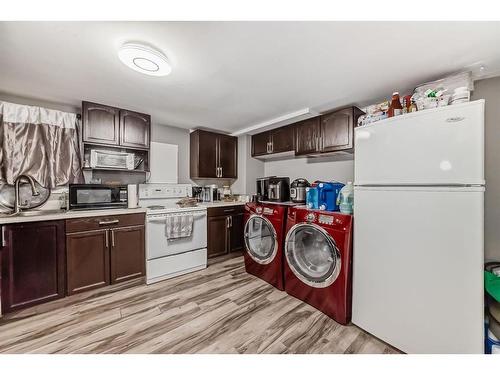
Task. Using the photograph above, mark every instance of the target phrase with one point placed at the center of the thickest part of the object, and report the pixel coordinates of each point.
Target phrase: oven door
(157, 245)
(87, 196)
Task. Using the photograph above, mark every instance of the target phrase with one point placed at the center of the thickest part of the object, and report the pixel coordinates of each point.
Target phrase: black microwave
(94, 197)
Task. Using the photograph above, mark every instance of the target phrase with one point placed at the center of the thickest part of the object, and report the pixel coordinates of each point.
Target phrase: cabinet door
(134, 129)
(260, 144)
(33, 264)
(204, 161)
(228, 156)
(100, 124)
(236, 232)
(307, 136)
(127, 253)
(217, 235)
(337, 131)
(282, 139)
(87, 256)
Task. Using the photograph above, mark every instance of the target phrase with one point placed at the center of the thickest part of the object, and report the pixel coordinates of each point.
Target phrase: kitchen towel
(178, 226)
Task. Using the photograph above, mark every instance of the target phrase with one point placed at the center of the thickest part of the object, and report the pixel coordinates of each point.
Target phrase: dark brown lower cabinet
(87, 260)
(33, 264)
(225, 230)
(104, 250)
(127, 253)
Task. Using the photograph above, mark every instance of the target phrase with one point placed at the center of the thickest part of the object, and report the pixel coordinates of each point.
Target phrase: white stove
(166, 258)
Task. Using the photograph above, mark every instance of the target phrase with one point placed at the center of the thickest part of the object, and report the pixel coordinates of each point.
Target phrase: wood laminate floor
(218, 310)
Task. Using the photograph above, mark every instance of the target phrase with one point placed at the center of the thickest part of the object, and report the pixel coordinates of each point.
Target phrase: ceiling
(231, 76)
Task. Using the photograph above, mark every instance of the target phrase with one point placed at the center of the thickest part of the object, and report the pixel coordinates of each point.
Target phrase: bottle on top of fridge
(395, 108)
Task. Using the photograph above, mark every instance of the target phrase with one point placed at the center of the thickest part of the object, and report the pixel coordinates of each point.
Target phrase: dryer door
(313, 255)
(260, 239)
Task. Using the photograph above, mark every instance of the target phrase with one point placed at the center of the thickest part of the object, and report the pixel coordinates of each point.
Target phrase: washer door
(260, 239)
(312, 255)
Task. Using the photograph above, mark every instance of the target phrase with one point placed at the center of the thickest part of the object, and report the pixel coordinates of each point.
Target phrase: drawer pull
(229, 210)
(109, 222)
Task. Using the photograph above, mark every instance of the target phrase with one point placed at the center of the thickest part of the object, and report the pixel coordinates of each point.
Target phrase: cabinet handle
(107, 238)
(230, 221)
(4, 241)
(112, 238)
(109, 222)
(272, 146)
(220, 172)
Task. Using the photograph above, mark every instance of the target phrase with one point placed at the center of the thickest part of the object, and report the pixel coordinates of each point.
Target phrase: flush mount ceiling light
(144, 59)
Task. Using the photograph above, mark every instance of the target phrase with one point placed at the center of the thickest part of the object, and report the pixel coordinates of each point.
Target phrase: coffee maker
(262, 188)
(210, 193)
(279, 189)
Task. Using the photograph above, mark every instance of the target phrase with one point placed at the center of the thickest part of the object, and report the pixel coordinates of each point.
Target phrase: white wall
(325, 168)
(489, 89)
(249, 169)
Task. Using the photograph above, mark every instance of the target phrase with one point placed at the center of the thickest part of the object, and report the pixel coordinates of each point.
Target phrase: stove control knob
(310, 217)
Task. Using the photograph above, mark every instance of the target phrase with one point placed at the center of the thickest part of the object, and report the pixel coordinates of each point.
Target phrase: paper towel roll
(132, 195)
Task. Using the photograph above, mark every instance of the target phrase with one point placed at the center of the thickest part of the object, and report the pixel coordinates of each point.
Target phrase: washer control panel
(325, 219)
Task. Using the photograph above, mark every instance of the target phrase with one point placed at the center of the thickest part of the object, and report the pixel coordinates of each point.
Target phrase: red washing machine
(318, 260)
(264, 235)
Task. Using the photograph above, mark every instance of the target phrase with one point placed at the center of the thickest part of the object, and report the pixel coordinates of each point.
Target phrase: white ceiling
(233, 75)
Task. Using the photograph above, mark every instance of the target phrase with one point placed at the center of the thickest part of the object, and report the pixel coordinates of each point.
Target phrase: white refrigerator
(419, 230)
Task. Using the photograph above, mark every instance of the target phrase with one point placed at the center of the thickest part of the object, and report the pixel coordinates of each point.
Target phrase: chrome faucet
(17, 204)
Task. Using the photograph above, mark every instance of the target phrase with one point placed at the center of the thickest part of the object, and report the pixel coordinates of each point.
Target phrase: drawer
(225, 210)
(103, 222)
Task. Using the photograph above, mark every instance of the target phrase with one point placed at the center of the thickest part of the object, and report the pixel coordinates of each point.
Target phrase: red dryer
(318, 260)
(264, 236)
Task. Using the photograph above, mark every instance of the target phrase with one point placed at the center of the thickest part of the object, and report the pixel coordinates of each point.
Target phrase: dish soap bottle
(345, 199)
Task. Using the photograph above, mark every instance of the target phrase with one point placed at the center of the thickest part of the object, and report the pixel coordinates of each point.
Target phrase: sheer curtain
(39, 142)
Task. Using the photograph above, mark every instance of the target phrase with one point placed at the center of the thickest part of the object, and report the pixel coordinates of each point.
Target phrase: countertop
(62, 215)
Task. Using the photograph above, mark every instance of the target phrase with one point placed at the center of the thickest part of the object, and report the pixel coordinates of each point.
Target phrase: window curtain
(39, 142)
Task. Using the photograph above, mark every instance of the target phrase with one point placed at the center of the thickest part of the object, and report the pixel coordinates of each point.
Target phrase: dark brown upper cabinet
(327, 133)
(101, 124)
(105, 125)
(307, 133)
(33, 264)
(134, 129)
(273, 141)
(213, 155)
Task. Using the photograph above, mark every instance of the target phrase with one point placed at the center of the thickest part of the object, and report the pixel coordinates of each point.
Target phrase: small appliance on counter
(210, 193)
(262, 188)
(197, 193)
(279, 189)
(298, 190)
(97, 197)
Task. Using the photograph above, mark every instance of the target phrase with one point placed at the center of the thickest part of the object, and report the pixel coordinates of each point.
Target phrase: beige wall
(489, 89)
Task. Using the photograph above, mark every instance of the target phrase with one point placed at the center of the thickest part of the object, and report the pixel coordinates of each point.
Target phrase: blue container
(327, 195)
(312, 197)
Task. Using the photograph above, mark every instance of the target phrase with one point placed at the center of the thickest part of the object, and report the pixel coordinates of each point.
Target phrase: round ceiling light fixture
(144, 59)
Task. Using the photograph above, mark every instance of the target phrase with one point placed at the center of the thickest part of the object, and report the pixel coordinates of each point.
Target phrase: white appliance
(418, 230)
(111, 159)
(173, 257)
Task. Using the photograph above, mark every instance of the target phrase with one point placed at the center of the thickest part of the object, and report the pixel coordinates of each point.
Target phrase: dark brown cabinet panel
(101, 124)
(307, 135)
(225, 230)
(127, 253)
(261, 144)
(282, 139)
(337, 130)
(33, 264)
(135, 129)
(87, 260)
(213, 155)
(228, 156)
(217, 236)
(236, 232)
